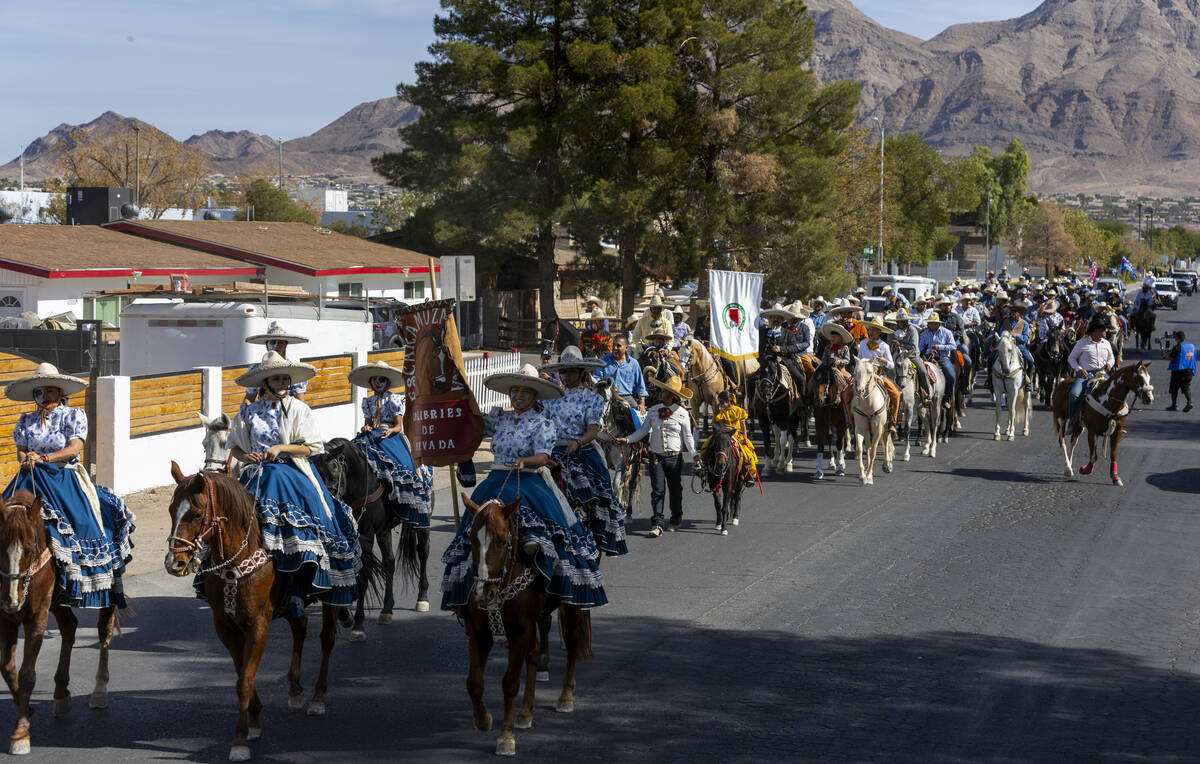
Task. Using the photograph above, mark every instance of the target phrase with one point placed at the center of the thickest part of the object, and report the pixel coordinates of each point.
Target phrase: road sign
(457, 278)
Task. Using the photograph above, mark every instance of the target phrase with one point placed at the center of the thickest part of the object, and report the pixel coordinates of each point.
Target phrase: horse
(737, 375)
(507, 600)
(906, 381)
(1050, 362)
(659, 364)
(954, 401)
(723, 464)
(705, 378)
(1142, 321)
(776, 406)
(931, 412)
(1008, 380)
(624, 461)
(829, 416)
(1103, 413)
(216, 442)
(870, 409)
(347, 473)
(212, 511)
(25, 602)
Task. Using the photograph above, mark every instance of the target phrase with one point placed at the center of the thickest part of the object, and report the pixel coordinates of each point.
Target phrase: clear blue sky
(279, 67)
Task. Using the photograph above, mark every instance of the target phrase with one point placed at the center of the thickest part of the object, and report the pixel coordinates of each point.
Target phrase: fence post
(358, 393)
(112, 430)
(211, 387)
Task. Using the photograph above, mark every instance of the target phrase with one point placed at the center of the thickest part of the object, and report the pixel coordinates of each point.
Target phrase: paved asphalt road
(979, 606)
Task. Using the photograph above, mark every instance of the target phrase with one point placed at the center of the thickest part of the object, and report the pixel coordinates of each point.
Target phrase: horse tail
(575, 624)
(372, 578)
(408, 553)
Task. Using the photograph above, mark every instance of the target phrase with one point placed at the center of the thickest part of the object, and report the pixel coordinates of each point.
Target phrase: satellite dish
(129, 211)
(212, 215)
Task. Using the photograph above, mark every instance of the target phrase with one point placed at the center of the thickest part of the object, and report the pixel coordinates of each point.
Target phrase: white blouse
(669, 432)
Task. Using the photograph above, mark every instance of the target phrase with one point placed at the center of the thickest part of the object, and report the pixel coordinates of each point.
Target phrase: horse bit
(229, 573)
(26, 576)
(515, 587)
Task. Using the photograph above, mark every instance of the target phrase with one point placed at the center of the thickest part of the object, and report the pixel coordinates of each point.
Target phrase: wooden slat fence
(330, 386)
(231, 392)
(164, 402)
(14, 366)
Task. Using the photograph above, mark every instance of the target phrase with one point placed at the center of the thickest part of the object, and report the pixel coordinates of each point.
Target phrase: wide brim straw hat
(904, 315)
(1001, 295)
(778, 311)
(273, 364)
(660, 332)
(799, 309)
(277, 333)
(943, 300)
(845, 306)
(934, 318)
(1049, 306)
(819, 300)
(657, 302)
(596, 315)
(876, 325)
(836, 333)
(46, 375)
(673, 385)
(361, 375)
(591, 298)
(572, 358)
(504, 382)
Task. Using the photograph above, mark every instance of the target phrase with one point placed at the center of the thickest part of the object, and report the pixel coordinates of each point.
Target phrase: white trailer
(162, 335)
(912, 287)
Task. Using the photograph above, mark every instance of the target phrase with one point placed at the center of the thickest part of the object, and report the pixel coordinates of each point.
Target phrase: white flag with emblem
(734, 298)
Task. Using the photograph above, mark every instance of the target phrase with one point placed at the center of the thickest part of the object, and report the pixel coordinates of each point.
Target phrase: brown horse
(506, 602)
(25, 601)
(243, 589)
(706, 379)
(829, 415)
(1103, 413)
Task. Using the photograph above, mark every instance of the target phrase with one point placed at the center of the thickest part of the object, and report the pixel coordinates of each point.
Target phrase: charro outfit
(409, 486)
(877, 352)
(1087, 358)
(670, 431)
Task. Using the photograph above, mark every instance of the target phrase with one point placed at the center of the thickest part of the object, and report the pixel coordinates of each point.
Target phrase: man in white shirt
(669, 427)
(650, 321)
(876, 351)
(1091, 355)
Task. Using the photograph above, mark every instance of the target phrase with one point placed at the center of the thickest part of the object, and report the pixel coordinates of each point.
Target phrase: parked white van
(911, 287)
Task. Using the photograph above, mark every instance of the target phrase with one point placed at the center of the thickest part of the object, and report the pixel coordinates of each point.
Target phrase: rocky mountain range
(1104, 94)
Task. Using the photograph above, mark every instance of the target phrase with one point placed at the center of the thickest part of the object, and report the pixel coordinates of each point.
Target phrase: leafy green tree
(393, 209)
(351, 229)
(271, 203)
(925, 190)
(1001, 186)
(1095, 244)
(1043, 239)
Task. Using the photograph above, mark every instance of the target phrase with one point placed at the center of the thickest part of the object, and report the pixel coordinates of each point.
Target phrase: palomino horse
(1008, 381)
(624, 460)
(25, 602)
(1142, 321)
(723, 465)
(870, 409)
(213, 511)
(829, 416)
(1103, 412)
(507, 599)
(776, 406)
(705, 379)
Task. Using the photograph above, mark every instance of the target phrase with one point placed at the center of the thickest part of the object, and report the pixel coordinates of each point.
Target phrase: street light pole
(281, 162)
(881, 144)
(137, 165)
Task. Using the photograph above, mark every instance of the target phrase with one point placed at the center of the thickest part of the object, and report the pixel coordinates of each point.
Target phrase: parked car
(1168, 295)
(1108, 282)
(1185, 280)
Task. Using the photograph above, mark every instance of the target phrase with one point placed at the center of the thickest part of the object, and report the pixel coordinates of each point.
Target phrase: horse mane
(230, 495)
(19, 525)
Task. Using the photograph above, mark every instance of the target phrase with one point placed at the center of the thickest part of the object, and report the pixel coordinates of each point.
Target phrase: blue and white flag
(734, 299)
(1128, 266)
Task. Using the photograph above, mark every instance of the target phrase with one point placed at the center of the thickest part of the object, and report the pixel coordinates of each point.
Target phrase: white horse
(216, 446)
(870, 409)
(1010, 383)
(931, 412)
(906, 380)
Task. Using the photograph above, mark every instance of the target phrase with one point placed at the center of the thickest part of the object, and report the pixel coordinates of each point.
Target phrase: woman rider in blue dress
(385, 445)
(309, 533)
(89, 527)
(276, 339)
(576, 418)
(561, 549)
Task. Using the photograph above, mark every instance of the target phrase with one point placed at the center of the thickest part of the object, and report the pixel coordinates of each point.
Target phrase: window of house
(414, 290)
(350, 289)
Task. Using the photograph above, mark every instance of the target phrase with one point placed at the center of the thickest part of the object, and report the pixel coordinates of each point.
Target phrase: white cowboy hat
(504, 382)
(677, 309)
(46, 375)
(1049, 306)
(673, 385)
(273, 364)
(819, 299)
(1001, 295)
(799, 309)
(591, 298)
(934, 318)
(572, 358)
(876, 325)
(836, 333)
(595, 315)
(656, 302)
(361, 375)
(942, 300)
(860, 290)
(904, 315)
(845, 306)
(778, 311)
(277, 333)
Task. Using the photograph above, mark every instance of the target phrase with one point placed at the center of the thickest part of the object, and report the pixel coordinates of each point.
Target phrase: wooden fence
(14, 366)
(164, 402)
(329, 387)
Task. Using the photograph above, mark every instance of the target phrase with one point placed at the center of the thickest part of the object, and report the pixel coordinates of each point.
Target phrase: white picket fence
(481, 366)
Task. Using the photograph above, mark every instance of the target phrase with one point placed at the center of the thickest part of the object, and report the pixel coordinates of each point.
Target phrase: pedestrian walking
(1183, 367)
(669, 427)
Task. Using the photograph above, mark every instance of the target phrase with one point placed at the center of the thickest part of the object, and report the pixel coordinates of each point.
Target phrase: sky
(280, 67)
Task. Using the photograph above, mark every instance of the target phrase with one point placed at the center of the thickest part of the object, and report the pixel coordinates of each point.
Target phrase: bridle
(210, 525)
(221, 465)
(35, 567)
(1113, 384)
(515, 586)
(864, 392)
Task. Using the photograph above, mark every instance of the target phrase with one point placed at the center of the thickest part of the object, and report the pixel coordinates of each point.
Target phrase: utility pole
(281, 163)
(881, 137)
(137, 165)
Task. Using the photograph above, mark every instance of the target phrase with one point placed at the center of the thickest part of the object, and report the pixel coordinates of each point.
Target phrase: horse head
(493, 547)
(719, 456)
(1140, 382)
(23, 537)
(216, 441)
(1008, 357)
(864, 378)
(205, 509)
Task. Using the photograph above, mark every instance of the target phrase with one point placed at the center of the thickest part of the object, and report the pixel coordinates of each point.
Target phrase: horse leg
(525, 716)
(253, 640)
(299, 628)
(479, 647)
(316, 706)
(1112, 453)
(366, 538)
(819, 473)
(719, 508)
(387, 558)
(999, 409)
(1087, 468)
(423, 557)
(518, 653)
(1026, 407)
(67, 626)
(8, 642)
(105, 625)
(545, 619)
(35, 631)
(577, 634)
(863, 477)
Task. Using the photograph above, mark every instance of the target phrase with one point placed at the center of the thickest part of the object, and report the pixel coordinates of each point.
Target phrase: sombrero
(934, 318)
(46, 375)
(277, 333)
(572, 358)
(876, 325)
(821, 300)
(361, 375)
(845, 306)
(656, 302)
(1049, 306)
(799, 309)
(778, 311)
(904, 315)
(1001, 295)
(659, 332)
(860, 290)
(272, 364)
(591, 298)
(836, 333)
(595, 315)
(504, 382)
(942, 300)
(673, 385)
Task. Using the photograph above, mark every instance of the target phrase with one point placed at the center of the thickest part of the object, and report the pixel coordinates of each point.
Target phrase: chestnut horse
(507, 599)
(1102, 413)
(25, 601)
(212, 510)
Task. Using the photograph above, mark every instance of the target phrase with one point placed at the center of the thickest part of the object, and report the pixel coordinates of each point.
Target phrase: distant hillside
(221, 144)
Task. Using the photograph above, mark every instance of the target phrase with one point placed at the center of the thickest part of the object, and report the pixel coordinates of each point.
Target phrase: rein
(26, 576)
(515, 586)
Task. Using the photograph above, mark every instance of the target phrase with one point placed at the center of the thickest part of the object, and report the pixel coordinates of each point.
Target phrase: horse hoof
(906, 456)
(358, 636)
(887, 468)
(787, 468)
(840, 471)
(422, 606)
(565, 707)
(523, 722)
(543, 676)
(239, 753)
(316, 708)
(1085, 469)
(997, 437)
(487, 722)
(62, 705)
(724, 532)
(254, 733)
(98, 700)
(295, 702)
(1117, 481)
(384, 619)
(506, 747)
(19, 747)
(1069, 472)
(734, 521)
(1012, 437)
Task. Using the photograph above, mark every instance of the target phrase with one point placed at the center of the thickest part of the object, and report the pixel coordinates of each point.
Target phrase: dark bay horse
(829, 416)
(777, 405)
(212, 511)
(1142, 321)
(1050, 362)
(723, 464)
(1103, 413)
(507, 599)
(25, 602)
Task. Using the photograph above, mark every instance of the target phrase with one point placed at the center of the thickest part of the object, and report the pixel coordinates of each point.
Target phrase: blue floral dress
(567, 556)
(585, 475)
(409, 486)
(91, 544)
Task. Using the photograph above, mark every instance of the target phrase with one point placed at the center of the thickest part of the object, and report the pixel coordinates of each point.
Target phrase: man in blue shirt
(1146, 298)
(625, 374)
(938, 343)
(1183, 368)
(818, 312)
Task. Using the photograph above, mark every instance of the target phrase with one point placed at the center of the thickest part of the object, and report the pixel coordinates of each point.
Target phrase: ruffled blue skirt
(567, 557)
(299, 533)
(409, 487)
(586, 481)
(90, 553)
